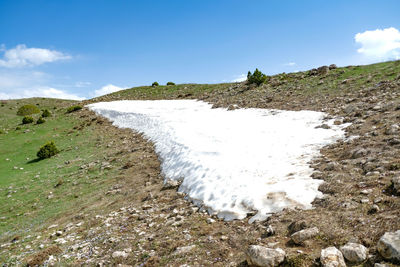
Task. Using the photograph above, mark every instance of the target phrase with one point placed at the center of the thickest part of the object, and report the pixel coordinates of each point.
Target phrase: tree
(257, 77)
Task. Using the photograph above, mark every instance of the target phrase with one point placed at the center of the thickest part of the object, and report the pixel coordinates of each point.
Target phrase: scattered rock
(183, 250)
(120, 254)
(354, 252)
(297, 226)
(332, 66)
(270, 231)
(210, 220)
(171, 184)
(389, 246)
(303, 235)
(262, 256)
(332, 257)
(396, 183)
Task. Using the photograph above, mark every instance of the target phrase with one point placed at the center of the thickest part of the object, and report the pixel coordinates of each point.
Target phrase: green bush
(27, 110)
(155, 84)
(47, 150)
(40, 121)
(17, 128)
(74, 108)
(27, 120)
(170, 83)
(257, 77)
(46, 113)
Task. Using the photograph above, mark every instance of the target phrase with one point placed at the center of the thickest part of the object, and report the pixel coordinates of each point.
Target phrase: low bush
(256, 77)
(170, 83)
(17, 128)
(74, 108)
(40, 121)
(155, 84)
(46, 113)
(27, 120)
(47, 150)
(27, 110)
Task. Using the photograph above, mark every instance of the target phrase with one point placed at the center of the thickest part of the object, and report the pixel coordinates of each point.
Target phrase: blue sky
(73, 48)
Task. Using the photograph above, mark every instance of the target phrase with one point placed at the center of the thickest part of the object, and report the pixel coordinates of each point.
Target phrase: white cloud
(240, 78)
(82, 84)
(21, 56)
(47, 92)
(107, 89)
(379, 44)
(290, 64)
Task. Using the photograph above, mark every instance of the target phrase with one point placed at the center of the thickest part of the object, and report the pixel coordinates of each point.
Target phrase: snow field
(231, 162)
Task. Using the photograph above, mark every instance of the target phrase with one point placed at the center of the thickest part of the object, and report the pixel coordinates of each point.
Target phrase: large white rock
(354, 252)
(303, 235)
(389, 245)
(266, 257)
(332, 257)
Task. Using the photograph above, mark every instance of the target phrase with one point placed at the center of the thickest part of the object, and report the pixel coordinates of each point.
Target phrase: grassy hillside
(35, 193)
(304, 83)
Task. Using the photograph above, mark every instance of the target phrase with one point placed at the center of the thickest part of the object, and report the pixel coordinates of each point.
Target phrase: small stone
(303, 235)
(210, 220)
(364, 200)
(396, 183)
(184, 250)
(332, 257)
(262, 256)
(270, 230)
(389, 246)
(354, 252)
(120, 254)
(366, 191)
(374, 209)
(171, 184)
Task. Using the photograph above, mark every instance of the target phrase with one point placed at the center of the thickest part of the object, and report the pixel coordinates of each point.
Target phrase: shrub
(47, 150)
(257, 77)
(170, 83)
(155, 84)
(27, 120)
(46, 113)
(74, 108)
(27, 110)
(17, 128)
(40, 121)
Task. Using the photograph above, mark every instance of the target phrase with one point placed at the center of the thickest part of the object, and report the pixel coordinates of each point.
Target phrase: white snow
(231, 162)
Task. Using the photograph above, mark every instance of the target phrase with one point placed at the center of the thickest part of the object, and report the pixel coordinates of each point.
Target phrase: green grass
(26, 182)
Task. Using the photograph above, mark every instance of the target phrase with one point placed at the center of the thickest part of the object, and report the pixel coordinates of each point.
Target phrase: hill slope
(111, 200)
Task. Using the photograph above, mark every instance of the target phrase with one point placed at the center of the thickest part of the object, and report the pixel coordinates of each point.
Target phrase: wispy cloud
(290, 64)
(107, 89)
(82, 84)
(22, 84)
(379, 44)
(22, 56)
(40, 92)
(240, 78)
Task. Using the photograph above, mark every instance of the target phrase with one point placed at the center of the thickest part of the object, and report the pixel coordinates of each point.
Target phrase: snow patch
(231, 162)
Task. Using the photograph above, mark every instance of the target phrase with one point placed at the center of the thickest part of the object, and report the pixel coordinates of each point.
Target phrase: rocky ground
(355, 223)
